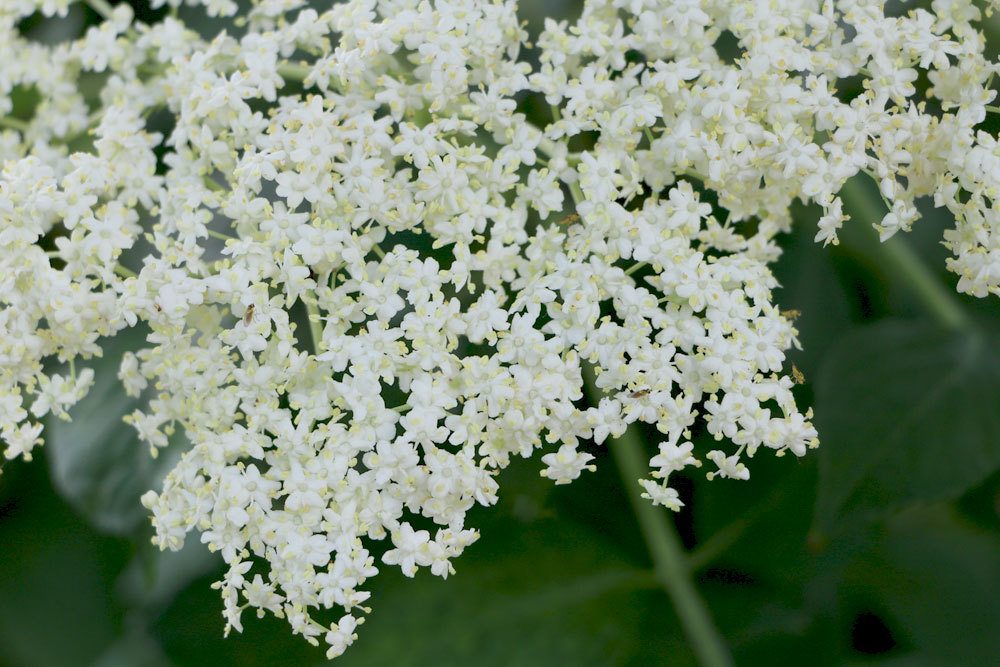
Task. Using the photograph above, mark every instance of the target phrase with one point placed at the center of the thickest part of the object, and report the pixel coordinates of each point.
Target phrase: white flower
(729, 466)
(413, 377)
(566, 465)
(661, 495)
(411, 550)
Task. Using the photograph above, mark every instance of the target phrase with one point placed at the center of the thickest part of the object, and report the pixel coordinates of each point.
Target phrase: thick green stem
(668, 555)
(938, 299)
(900, 258)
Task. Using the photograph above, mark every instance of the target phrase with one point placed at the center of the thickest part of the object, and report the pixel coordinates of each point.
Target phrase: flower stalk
(900, 258)
(669, 558)
(102, 7)
(12, 123)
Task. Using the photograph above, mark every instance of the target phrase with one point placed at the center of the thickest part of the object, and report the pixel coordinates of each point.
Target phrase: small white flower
(566, 465)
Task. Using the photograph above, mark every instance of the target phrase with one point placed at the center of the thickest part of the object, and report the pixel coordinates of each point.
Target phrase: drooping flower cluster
(371, 281)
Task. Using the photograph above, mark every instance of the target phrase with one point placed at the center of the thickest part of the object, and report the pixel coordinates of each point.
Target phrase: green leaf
(906, 413)
(153, 577)
(56, 580)
(814, 281)
(938, 578)
(544, 585)
(54, 577)
(136, 648)
(97, 461)
(539, 596)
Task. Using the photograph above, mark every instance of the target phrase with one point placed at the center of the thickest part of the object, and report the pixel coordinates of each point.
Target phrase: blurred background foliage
(882, 547)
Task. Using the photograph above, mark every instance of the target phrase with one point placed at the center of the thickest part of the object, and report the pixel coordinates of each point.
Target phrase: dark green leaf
(153, 577)
(96, 460)
(812, 283)
(544, 585)
(55, 575)
(906, 413)
(938, 577)
(536, 594)
(137, 648)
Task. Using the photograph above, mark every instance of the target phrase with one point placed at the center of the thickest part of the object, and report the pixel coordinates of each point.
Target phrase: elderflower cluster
(65, 216)
(370, 281)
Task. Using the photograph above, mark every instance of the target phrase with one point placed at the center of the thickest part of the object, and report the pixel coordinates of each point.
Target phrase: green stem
(901, 259)
(213, 184)
(13, 123)
(293, 71)
(219, 235)
(669, 559)
(672, 569)
(635, 267)
(938, 299)
(315, 328)
(124, 271)
(101, 7)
